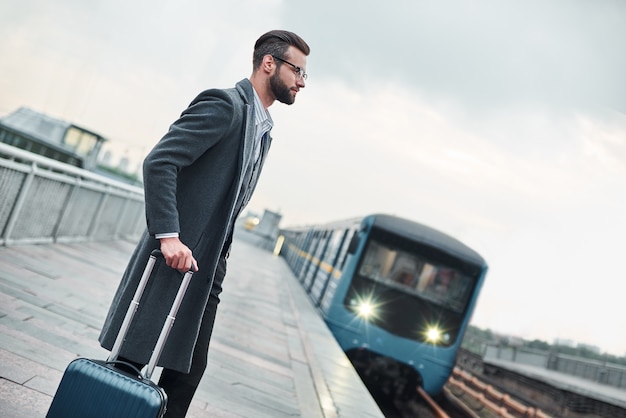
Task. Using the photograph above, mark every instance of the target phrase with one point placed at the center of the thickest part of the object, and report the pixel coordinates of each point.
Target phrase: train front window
(415, 274)
(410, 290)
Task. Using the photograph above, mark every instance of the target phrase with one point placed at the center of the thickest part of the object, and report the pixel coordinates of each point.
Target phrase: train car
(397, 295)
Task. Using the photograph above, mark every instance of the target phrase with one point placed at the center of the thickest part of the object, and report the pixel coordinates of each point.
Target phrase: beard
(280, 90)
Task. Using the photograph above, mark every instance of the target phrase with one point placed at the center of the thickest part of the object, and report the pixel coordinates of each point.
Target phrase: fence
(596, 371)
(43, 201)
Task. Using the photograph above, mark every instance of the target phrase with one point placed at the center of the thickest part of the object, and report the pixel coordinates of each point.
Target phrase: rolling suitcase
(98, 389)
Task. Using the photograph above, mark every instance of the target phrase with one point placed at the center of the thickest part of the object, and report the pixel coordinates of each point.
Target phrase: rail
(490, 398)
(46, 201)
(437, 410)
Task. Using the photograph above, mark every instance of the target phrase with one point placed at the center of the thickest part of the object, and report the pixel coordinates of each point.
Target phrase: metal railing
(43, 201)
(596, 371)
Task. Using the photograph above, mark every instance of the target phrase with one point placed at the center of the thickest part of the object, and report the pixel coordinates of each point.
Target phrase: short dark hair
(276, 42)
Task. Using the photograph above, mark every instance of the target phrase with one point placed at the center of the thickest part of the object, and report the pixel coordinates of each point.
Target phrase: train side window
(354, 243)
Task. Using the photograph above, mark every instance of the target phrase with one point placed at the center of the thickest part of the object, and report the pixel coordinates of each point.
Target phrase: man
(197, 179)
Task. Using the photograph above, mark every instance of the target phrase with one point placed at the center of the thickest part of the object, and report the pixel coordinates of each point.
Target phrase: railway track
(423, 405)
(464, 396)
(513, 390)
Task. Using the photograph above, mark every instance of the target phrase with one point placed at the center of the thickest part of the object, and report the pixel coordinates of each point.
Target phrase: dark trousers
(181, 387)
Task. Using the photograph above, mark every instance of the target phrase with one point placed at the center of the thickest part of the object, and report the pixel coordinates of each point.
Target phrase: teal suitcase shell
(95, 389)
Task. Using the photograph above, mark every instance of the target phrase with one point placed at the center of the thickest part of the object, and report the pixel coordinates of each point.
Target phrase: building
(53, 138)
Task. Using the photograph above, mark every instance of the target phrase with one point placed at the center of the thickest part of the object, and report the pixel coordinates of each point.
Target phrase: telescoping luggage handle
(134, 304)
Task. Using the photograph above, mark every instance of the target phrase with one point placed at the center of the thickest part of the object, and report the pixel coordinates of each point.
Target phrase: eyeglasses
(299, 71)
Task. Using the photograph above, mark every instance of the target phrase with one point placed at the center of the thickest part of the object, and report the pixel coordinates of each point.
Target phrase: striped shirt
(263, 123)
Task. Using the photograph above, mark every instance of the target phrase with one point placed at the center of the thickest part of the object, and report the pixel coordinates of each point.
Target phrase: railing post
(96, 217)
(140, 221)
(67, 206)
(19, 203)
(121, 217)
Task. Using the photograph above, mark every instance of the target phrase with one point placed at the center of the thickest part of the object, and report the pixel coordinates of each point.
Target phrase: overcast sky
(502, 123)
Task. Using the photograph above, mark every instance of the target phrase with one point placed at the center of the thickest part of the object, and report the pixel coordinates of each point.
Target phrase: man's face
(286, 82)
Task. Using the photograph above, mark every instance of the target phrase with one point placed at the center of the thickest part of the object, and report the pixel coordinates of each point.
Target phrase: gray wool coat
(192, 180)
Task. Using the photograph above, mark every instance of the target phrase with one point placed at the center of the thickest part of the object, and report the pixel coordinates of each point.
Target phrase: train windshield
(416, 274)
(411, 288)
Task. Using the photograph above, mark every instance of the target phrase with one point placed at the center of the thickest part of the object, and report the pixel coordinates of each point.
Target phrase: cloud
(486, 53)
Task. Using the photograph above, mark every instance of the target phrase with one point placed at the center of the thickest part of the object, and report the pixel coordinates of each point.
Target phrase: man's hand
(177, 255)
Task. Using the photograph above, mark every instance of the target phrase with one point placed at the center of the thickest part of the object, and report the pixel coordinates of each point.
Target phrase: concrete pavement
(271, 354)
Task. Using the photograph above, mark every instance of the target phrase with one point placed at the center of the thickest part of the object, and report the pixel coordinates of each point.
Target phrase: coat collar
(245, 89)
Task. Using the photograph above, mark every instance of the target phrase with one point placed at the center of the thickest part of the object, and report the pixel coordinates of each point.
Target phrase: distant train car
(397, 295)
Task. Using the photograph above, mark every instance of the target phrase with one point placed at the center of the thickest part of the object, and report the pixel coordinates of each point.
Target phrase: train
(397, 295)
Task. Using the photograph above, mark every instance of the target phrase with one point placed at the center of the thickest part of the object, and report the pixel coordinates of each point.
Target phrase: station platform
(271, 354)
(574, 384)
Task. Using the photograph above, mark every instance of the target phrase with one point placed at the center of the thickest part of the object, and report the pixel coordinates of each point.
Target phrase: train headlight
(365, 310)
(433, 335)
(436, 335)
(365, 307)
